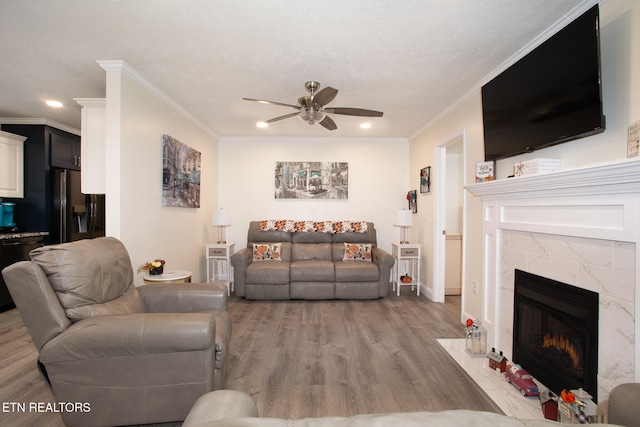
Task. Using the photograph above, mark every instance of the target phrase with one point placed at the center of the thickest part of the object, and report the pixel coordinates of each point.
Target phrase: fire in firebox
(560, 342)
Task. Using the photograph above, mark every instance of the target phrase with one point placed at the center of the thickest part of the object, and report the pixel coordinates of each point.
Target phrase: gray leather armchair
(122, 354)
(623, 406)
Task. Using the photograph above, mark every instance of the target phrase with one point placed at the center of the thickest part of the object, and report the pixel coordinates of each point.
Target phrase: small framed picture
(425, 180)
(485, 171)
(412, 198)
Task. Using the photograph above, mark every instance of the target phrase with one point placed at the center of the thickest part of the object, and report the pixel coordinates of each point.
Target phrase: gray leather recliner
(120, 354)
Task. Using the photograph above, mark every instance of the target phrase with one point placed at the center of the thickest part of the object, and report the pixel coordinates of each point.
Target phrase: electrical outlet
(475, 287)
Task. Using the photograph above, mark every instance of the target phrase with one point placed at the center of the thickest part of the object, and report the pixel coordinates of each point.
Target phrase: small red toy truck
(521, 380)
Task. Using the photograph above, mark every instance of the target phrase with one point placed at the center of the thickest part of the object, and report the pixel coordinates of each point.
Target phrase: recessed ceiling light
(54, 104)
(262, 124)
(365, 125)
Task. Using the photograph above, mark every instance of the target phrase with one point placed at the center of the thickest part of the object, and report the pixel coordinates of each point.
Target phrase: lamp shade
(221, 218)
(403, 218)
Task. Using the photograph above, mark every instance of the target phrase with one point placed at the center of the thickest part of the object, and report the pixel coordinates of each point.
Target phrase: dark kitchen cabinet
(43, 144)
(65, 150)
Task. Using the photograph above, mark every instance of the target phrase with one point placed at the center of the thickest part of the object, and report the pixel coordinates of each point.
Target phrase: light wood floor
(306, 358)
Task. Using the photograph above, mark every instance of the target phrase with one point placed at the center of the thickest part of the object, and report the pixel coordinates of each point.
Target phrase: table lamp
(404, 219)
(221, 220)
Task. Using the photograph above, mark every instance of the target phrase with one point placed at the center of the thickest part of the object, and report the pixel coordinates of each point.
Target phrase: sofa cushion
(267, 252)
(312, 271)
(357, 252)
(310, 251)
(349, 271)
(275, 273)
(88, 273)
(311, 238)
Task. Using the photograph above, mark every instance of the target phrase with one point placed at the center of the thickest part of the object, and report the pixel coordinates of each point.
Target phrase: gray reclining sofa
(311, 265)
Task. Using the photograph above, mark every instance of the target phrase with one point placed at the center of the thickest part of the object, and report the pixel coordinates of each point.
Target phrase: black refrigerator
(75, 215)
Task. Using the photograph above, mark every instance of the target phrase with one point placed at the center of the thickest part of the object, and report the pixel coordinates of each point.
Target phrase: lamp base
(222, 240)
(404, 240)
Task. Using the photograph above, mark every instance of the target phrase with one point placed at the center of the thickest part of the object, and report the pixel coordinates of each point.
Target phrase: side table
(413, 254)
(174, 276)
(218, 257)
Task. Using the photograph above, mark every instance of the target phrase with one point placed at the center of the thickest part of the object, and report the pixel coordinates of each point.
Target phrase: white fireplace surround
(578, 226)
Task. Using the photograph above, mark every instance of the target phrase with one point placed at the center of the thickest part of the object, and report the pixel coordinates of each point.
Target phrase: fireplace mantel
(597, 202)
(611, 178)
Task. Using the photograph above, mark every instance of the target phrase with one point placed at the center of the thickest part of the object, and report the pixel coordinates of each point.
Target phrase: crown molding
(38, 121)
(127, 70)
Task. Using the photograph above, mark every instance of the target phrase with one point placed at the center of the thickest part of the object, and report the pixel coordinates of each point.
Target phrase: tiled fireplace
(579, 227)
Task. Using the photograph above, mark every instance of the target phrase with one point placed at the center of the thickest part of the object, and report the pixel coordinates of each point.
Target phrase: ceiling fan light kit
(311, 108)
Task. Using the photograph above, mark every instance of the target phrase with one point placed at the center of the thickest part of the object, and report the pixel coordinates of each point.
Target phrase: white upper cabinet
(11, 165)
(93, 144)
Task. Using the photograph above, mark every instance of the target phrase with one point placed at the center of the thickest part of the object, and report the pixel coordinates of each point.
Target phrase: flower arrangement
(154, 267)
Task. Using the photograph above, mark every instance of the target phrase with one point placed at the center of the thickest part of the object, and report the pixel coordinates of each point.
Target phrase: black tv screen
(550, 96)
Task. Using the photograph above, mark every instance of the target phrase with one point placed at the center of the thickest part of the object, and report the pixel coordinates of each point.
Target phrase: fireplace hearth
(555, 332)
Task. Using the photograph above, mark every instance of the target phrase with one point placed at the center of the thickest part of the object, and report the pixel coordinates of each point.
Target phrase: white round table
(169, 276)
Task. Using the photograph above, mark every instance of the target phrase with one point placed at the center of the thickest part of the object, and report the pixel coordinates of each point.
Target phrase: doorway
(448, 250)
(453, 218)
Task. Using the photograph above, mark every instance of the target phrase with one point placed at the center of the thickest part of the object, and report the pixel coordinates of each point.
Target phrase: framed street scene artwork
(311, 180)
(180, 174)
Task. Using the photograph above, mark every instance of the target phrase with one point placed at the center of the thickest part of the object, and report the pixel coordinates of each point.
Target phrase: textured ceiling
(411, 59)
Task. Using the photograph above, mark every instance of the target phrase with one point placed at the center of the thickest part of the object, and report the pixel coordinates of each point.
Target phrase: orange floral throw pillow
(267, 251)
(357, 252)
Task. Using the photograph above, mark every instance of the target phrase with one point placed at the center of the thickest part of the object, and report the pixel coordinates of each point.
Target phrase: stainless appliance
(77, 215)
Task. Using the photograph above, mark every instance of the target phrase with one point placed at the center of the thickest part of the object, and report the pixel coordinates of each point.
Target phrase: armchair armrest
(220, 405)
(100, 337)
(184, 298)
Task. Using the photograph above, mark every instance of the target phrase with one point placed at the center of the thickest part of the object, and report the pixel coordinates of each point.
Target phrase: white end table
(169, 276)
(412, 253)
(219, 268)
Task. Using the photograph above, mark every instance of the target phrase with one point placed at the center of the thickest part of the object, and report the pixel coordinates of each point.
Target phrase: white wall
(620, 38)
(136, 120)
(378, 182)
(465, 121)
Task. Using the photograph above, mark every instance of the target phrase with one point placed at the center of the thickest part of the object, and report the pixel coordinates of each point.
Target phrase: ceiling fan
(312, 108)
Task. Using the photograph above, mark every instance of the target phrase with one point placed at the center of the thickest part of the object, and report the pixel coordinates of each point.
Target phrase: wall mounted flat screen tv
(550, 96)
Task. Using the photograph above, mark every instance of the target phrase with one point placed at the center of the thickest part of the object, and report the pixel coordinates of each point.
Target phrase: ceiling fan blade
(328, 123)
(325, 96)
(262, 101)
(355, 112)
(286, 116)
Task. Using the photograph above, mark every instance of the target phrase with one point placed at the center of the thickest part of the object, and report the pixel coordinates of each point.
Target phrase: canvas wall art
(180, 174)
(312, 180)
